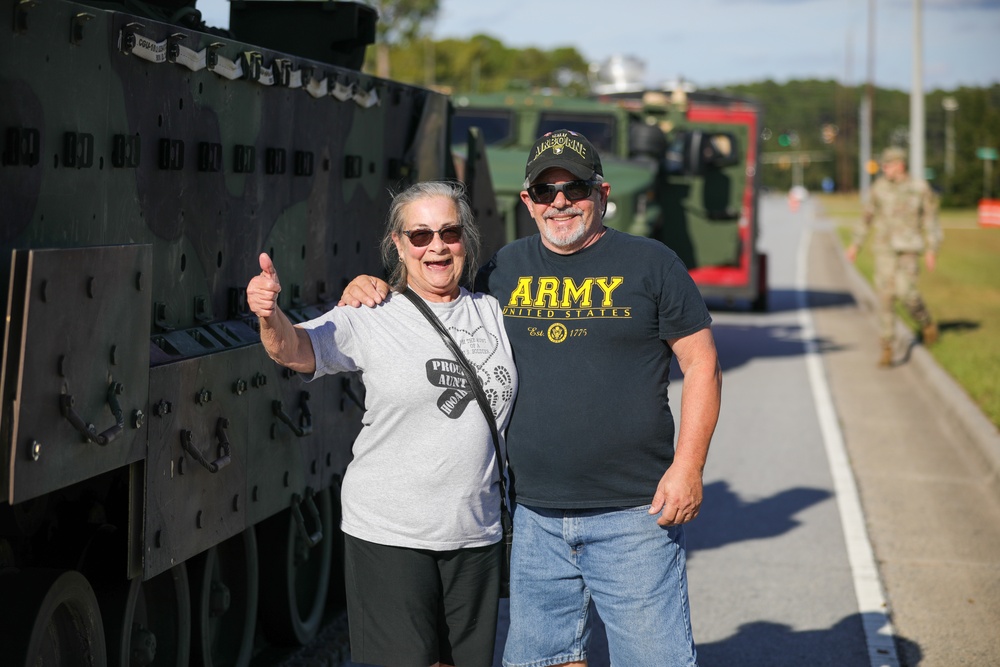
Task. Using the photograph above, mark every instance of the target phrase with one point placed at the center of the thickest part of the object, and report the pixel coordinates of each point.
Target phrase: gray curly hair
(395, 223)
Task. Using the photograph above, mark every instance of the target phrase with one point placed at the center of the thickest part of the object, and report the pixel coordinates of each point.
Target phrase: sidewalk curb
(961, 411)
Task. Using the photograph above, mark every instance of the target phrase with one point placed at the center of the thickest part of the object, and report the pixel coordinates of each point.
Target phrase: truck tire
(759, 304)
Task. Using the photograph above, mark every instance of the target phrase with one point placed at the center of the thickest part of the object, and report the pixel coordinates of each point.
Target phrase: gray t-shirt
(424, 473)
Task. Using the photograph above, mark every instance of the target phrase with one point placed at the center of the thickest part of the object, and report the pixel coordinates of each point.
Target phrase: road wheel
(296, 573)
(145, 622)
(224, 602)
(50, 618)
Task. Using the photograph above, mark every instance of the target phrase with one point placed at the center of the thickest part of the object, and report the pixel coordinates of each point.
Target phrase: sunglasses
(423, 237)
(545, 193)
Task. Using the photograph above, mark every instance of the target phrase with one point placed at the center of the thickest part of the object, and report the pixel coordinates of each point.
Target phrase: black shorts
(414, 607)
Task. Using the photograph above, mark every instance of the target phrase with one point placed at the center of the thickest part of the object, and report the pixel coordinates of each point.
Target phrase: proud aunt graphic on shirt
(480, 349)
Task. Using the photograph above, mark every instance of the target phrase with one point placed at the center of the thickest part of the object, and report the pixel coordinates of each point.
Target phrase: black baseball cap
(564, 149)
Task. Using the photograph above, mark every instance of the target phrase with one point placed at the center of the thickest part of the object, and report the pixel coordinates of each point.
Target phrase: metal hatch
(76, 365)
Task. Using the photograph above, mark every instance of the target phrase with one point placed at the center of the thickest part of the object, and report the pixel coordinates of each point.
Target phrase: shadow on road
(726, 519)
(739, 344)
(765, 644)
(783, 301)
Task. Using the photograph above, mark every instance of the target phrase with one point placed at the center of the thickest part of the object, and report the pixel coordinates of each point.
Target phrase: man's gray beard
(567, 240)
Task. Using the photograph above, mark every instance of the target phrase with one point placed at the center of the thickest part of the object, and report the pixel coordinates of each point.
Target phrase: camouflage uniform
(902, 216)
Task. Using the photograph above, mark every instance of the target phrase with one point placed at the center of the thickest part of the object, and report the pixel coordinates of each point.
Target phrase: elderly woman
(421, 501)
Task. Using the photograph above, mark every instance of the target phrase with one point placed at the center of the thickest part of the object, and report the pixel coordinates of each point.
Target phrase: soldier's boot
(929, 334)
(885, 361)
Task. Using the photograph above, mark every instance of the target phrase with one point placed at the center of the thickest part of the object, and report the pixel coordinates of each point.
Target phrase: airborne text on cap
(557, 144)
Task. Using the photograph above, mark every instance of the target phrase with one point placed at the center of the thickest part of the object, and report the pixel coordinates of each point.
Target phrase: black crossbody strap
(477, 389)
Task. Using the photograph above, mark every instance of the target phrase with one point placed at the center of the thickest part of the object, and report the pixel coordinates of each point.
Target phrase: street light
(865, 112)
(950, 106)
(917, 124)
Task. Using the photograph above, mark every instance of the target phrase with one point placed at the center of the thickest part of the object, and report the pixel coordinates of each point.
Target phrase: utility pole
(917, 132)
(866, 111)
(950, 106)
(844, 102)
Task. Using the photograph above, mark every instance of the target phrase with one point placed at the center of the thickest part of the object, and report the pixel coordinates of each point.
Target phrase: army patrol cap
(563, 149)
(892, 154)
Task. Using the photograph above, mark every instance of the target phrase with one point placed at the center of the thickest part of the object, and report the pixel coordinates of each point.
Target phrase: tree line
(817, 119)
(823, 117)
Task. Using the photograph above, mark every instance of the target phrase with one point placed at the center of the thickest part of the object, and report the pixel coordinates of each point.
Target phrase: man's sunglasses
(545, 193)
(423, 237)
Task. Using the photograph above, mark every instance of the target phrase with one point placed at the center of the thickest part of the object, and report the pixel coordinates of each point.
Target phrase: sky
(717, 42)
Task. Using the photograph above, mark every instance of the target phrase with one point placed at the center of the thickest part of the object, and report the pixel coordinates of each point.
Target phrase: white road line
(878, 629)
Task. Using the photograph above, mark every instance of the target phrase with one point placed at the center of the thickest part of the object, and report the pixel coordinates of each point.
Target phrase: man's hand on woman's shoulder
(367, 290)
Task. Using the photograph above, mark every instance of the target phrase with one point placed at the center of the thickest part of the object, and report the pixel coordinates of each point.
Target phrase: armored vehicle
(682, 166)
(165, 488)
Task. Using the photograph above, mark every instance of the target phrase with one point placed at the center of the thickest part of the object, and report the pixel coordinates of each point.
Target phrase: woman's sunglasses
(423, 237)
(545, 193)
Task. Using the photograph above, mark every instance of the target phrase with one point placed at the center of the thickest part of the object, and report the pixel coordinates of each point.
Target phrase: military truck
(682, 166)
(165, 488)
(510, 124)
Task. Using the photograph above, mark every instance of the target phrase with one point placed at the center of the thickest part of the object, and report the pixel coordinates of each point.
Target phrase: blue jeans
(633, 569)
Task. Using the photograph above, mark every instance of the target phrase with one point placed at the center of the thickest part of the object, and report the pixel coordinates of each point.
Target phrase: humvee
(683, 169)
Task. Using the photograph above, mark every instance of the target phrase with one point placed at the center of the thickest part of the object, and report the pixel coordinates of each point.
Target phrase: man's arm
(367, 290)
(287, 344)
(861, 230)
(679, 494)
(930, 227)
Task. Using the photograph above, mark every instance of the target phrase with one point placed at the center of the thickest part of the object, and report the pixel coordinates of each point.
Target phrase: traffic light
(788, 138)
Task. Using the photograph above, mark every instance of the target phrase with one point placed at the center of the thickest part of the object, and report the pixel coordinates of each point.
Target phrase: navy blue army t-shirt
(592, 426)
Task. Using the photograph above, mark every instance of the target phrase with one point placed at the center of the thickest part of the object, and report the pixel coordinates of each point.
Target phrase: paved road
(842, 502)
(927, 464)
(771, 581)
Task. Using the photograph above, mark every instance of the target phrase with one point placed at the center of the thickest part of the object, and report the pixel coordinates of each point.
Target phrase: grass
(963, 295)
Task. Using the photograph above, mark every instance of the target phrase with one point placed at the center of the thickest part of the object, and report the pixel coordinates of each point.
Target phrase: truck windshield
(496, 126)
(600, 130)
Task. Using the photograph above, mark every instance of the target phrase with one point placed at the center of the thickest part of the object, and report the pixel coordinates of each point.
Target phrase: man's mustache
(566, 211)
